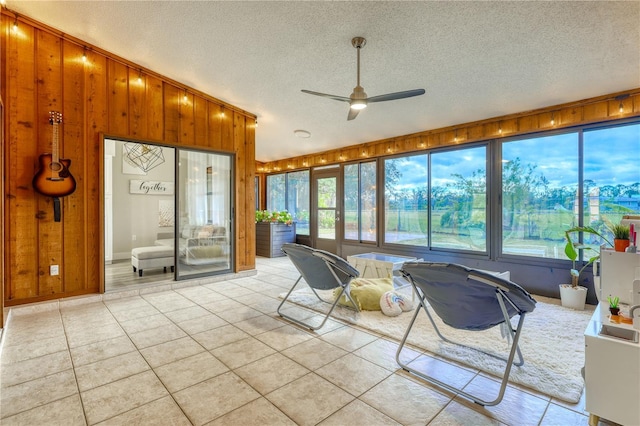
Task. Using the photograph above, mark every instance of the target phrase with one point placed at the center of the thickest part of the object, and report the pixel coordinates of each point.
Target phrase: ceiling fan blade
(353, 113)
(396, 95)
(325, 95)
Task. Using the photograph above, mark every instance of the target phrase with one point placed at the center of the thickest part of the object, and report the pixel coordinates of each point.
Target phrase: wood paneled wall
(595, 110)
(43, 70)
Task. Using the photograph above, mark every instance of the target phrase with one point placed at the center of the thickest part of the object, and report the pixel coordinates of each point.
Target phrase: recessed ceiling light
(302, 134)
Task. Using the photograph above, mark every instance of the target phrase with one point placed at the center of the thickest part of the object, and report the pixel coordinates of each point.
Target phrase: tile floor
(218, 354)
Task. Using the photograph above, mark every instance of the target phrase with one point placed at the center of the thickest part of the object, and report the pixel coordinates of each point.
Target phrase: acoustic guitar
(53, 178)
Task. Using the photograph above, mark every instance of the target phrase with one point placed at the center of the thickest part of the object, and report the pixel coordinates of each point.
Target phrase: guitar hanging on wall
(53, 178)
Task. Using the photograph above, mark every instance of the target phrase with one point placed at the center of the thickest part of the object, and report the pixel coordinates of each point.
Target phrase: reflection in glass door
(204, 213)
(326, 209)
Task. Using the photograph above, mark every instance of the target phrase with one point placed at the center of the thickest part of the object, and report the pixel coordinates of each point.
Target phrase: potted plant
(574, 295)
(613, 305)
(273, 229)
(620, 236)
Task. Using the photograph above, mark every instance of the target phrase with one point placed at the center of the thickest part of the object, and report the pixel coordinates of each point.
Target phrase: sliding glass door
(204, 213)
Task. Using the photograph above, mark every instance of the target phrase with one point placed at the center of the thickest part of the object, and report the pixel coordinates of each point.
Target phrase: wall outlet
(133, 237)
(54, 270)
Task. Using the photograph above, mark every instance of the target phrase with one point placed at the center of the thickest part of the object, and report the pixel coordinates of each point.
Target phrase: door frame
(322, 173)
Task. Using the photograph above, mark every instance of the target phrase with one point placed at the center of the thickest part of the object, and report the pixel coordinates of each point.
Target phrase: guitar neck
(54, 142)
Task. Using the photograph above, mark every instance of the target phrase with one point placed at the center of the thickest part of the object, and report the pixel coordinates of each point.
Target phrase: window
(406, 200)
(290, 191)
(459, 199)
(276, 190)
(360, 220)
(298, 200)
(539, 194)
(611, 177)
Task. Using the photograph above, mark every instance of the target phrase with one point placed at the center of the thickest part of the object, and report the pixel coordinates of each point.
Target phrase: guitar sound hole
(56, 167)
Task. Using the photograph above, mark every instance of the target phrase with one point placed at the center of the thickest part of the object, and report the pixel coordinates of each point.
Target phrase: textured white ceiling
(475, 59)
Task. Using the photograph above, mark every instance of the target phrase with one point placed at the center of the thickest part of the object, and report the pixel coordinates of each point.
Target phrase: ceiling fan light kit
(359, 99)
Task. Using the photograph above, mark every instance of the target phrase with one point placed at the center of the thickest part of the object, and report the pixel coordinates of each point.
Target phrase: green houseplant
(620, 236)
(573, 295)
(613, 305)
(274, 216)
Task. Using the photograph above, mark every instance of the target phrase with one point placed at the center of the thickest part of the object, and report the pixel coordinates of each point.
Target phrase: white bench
(152, 257)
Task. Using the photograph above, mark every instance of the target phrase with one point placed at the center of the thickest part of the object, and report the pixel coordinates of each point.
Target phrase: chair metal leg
(509, 361)
(344, 290)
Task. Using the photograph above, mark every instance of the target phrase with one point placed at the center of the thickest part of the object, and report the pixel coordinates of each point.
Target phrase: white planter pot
(573, 297)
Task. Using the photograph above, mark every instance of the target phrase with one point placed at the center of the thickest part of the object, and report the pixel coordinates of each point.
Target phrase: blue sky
(612, 156)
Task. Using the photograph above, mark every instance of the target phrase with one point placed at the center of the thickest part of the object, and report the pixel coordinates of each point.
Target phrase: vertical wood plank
(200, 121)
(226, 134)
(21, 153)
(118, 98)
(241, 191)
(96, 83)
(214, 133)
(137, 105)
(250, 201)
(154, 107)
(73, 147)
(171, 106)
(187, 131)
(49, 77)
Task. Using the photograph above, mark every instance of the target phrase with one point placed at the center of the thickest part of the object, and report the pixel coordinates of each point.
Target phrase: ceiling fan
(358, 99)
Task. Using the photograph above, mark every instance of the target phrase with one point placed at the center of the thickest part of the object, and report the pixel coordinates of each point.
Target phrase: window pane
(351, 202)
(298, 200)
(405, 200)
(368, 201)
(459, 199)
(539, 187)
(327, 224)
(611, 185)
(276, 192)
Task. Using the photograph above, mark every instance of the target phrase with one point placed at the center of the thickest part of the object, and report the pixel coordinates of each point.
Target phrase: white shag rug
(552, 341)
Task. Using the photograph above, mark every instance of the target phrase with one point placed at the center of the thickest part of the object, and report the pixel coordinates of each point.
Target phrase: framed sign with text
(148, 187)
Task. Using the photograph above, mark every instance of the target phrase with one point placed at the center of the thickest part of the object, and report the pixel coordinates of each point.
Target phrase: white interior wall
(138, 214)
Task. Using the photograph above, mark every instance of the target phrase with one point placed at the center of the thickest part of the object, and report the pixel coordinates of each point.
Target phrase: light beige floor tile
(259, 325)
(222, 305)
(284, 337)
(314, 353)
(443, 371)
(383, 353)
(251, 299)
(109, 370)
(28, 395)
(34, 368)
(118, 397)
(256, 413)
(163, 411)
(353, 374)
(240, 314)
(220, 336)
(144, 310)
(455, 414)
(134, 303)
(145, 323)
(187, 313)
(155, 336)
(557, 415)
(198, 325)
(190, 371)
(398, 397)
(215, 397)
(235, 291)
(357, 413)
(63, 412)
(98, 351)
(168, 301)
(309, 399)
(33, 349)
(171, 351)
(517, 406)
(90, 335)
(348, 338)
(299, 313)
(271, 372)
(242, 352)
(267, 306)
(211, 297)
(315, 320)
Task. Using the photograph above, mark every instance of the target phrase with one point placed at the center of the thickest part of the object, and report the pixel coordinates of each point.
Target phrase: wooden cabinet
(270, 236)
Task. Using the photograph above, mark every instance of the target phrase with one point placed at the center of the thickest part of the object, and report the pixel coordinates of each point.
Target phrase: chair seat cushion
(366, 292)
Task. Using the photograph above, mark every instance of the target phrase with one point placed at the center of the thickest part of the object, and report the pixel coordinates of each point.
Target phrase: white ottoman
(151, 257)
